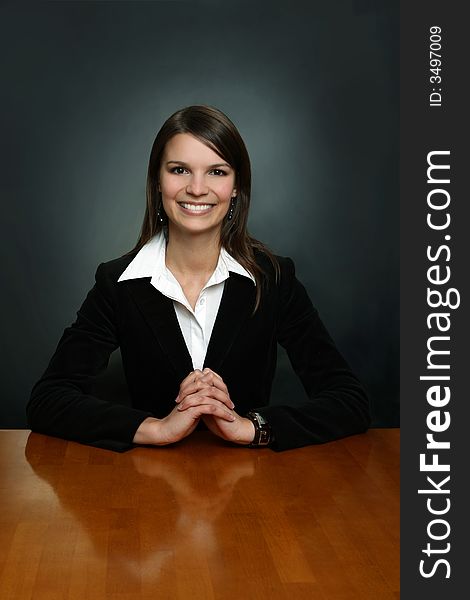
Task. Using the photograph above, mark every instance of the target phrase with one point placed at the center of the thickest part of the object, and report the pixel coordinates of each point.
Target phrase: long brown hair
(214, 129)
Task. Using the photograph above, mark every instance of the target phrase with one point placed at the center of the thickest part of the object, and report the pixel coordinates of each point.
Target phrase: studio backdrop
(314, 93)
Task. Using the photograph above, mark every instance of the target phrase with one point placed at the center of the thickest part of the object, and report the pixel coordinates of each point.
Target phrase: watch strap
(263, 432)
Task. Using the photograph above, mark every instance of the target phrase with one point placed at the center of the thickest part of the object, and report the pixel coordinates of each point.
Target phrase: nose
(197, 186)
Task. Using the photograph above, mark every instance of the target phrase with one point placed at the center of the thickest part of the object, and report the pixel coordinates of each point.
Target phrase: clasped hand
(202, 395)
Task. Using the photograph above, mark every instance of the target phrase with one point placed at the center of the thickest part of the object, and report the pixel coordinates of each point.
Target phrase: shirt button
(201, 301)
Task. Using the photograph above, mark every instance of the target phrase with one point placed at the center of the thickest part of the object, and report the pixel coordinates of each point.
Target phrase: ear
(234, 192)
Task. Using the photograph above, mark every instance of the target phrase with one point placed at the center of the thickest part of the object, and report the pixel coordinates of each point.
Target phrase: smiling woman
(198, 308)
(196, 189)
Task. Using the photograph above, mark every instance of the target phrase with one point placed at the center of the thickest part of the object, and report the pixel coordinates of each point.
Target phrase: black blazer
(133, 315)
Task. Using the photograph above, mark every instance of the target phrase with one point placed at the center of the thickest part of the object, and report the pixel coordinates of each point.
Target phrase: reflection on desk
(199, 519)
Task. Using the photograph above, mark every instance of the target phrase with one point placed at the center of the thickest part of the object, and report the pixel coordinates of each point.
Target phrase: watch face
(261, 420)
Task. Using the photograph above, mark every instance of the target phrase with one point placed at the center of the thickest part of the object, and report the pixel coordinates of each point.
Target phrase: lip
(195, 208)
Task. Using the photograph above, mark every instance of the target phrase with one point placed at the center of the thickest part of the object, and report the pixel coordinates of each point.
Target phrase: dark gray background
(314, 93)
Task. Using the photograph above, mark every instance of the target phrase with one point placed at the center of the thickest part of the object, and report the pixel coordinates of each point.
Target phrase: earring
(161, 216)
(232, 208)
(162, 220)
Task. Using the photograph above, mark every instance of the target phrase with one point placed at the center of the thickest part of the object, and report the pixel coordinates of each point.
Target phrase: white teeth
(195, 207)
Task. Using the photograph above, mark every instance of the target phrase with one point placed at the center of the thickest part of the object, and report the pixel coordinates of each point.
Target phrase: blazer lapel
(236, 306)
(160, 315)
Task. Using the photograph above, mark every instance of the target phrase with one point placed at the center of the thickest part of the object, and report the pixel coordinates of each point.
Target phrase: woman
(197, 309)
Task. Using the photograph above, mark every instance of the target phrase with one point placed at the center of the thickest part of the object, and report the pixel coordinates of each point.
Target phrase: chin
(196, 228)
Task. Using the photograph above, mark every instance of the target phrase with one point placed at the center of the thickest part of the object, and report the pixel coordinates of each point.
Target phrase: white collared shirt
(196, 325)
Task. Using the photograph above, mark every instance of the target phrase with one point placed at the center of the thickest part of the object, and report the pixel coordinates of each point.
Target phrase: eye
(178, 170)
(218, 172)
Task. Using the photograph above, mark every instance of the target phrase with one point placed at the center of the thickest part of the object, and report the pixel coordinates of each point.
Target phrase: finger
(213, 409)
(191, 388)
(202, 395)
(212, 378)
(208, 392)
(189, 379)
(207, 370)
(202, 381)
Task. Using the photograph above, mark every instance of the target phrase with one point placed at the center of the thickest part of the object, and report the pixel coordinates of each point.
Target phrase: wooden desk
(199, 520)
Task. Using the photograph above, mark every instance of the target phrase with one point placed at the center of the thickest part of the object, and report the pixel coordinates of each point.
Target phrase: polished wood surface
(200, 519)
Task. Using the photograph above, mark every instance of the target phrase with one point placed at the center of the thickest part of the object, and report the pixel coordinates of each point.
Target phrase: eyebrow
(182, 163)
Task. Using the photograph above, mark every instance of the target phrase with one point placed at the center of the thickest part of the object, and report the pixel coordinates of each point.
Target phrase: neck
(190, 254)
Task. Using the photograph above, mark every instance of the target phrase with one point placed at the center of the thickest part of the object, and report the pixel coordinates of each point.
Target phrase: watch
(263, 434)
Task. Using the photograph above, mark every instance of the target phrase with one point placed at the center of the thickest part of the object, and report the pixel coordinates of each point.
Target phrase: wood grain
(200, 519)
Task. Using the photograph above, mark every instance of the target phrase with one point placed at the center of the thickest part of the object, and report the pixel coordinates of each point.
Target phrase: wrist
(248, 432)
(150, 432)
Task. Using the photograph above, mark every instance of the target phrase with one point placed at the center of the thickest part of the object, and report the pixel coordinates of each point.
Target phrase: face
(196, 185)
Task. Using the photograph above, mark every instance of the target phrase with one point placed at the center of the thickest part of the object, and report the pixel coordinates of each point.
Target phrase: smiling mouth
(195, 207)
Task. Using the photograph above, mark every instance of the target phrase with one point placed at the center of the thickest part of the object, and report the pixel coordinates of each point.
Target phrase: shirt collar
(150, 262)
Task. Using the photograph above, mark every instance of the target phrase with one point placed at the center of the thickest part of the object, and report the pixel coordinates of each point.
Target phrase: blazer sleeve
(337, 405)
(61, 402)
